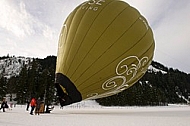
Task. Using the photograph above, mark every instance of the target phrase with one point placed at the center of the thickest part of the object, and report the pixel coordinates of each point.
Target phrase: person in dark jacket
(4, 105)
(38, 105)
(27, 105)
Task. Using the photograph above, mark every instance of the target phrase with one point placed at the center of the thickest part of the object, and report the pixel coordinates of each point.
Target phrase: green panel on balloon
(105, 46)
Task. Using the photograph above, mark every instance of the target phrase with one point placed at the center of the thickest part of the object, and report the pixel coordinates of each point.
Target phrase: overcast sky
(31, 28)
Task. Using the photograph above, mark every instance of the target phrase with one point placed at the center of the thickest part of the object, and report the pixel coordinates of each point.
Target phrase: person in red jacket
(33, 105)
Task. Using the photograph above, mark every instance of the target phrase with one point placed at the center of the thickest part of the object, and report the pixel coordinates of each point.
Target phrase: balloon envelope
(105, 46)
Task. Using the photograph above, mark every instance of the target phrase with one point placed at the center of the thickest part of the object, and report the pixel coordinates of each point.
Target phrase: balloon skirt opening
(66, 90)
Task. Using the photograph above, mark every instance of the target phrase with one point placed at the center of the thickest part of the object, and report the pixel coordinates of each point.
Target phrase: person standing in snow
(33, 105)
(27, 105)
(38, 105)
(4, 105)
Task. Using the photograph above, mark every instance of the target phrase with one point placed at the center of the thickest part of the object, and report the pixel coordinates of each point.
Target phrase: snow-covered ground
(88, 113)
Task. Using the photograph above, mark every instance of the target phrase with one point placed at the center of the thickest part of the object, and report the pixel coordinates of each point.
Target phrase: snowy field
(88, 113)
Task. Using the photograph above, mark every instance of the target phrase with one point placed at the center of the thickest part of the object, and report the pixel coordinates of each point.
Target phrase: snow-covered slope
(152, 69)
(12, 66)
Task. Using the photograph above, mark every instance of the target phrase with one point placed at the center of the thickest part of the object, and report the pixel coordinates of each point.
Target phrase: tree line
(154, 88)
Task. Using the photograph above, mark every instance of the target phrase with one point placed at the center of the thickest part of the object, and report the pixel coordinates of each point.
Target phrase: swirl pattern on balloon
(125, 73)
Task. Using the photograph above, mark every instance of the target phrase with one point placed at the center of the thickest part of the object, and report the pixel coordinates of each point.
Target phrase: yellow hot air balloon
(105, 46)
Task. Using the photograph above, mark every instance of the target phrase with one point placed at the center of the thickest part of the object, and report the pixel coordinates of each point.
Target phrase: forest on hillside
(154, 88)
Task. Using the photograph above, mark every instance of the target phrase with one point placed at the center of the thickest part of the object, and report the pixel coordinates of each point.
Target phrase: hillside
(12, 66)
(28, 77)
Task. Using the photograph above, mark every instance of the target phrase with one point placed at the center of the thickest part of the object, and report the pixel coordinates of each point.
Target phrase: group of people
(35, 105)
(38, 106)
(4, 105)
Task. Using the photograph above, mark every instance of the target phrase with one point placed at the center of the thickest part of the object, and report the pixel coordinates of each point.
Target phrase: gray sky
(31, 28)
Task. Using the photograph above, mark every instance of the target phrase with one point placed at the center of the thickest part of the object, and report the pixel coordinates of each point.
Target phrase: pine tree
(3, 87)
